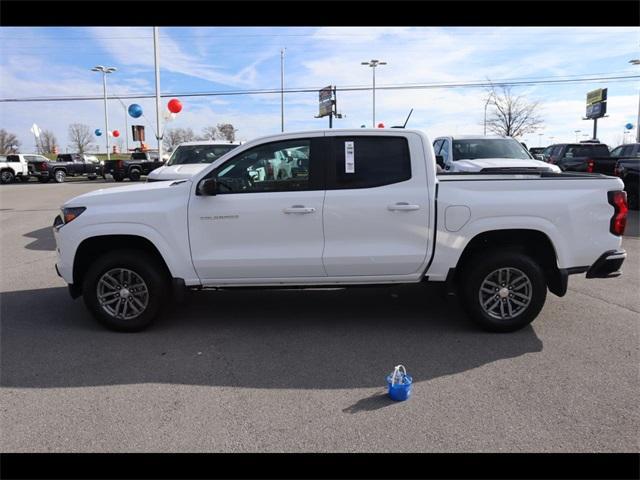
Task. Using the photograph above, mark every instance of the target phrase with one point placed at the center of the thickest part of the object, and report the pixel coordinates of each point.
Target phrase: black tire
(24, 178)
(134, 175)
(59, 176)
(118, 177)
(6, 177)
(92, 177)
(479, 269)
(147, 268)
(43, 179)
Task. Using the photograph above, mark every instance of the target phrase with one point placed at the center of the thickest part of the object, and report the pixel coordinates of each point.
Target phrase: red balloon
(381, 125)
(174, 105)
(116, 133)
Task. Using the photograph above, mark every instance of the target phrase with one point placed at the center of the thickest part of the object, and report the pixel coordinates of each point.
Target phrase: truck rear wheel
(503, 291)
(117, 177)
(125, 290)
(24, 178)
(134, 175)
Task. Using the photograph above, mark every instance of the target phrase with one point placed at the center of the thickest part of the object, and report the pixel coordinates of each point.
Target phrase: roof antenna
(406, 121)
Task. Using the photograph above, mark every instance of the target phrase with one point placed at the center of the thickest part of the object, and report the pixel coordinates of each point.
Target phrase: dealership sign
(326, 101)
(597, 103)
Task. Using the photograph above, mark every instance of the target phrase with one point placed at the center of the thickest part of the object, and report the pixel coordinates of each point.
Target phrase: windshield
(198, 153)
(489, 148)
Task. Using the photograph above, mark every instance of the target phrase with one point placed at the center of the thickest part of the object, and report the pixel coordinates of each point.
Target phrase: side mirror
(440, 160)
(539, 157)
(208, 187)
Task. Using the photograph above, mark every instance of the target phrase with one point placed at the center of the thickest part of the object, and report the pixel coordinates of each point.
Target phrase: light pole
(485, 112)
(636, 61)
(373, 64)
(577, 132)
(126, 126)
(156, 57)
(282, 89)
(105, 71)
(540, 139)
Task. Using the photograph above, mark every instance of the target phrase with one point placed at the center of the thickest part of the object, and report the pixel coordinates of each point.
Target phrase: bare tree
(80, 137)
(226, 131)
(175, 136)
(511, 115)
(209, 133)
(9, 142)
(47, 141)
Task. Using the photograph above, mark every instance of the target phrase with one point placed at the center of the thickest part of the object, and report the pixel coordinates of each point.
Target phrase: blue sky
(57, 62)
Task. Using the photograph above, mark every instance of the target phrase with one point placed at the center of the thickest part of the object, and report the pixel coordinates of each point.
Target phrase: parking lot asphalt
(304, 371)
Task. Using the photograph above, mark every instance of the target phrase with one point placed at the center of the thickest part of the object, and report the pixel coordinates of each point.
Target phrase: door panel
(261, 224)
(382, 230)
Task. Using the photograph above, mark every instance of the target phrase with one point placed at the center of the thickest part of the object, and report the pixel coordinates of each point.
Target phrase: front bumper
(608, 265)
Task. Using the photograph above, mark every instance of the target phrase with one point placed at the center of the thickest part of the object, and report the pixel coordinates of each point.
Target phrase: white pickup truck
(368, 208)
(14, 166)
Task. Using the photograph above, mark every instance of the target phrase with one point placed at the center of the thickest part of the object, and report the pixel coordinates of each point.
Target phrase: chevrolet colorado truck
(368, 209)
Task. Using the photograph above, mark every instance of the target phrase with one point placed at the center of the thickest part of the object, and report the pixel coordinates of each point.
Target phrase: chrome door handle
(403, 207)
(299, 209)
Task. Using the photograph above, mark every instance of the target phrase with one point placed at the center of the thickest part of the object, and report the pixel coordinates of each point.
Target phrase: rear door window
(368, 161)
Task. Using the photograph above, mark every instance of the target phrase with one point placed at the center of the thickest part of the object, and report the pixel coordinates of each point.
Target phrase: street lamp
(636, 61)
(373, 64)
(105, 71)
(485, 112)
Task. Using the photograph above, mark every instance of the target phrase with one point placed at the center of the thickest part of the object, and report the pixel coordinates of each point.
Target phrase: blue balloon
(629, 126)
(135, 110)
(98, 132)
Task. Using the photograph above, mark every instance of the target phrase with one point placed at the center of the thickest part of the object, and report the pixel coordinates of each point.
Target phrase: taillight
(43, 167)
(618, 199)
(590, 166)
(119, 163)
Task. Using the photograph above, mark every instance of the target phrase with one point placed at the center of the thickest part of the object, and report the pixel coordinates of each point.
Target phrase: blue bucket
(399, 391)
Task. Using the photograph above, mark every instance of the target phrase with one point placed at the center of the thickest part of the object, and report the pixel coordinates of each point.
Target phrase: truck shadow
(43, 239)
(251, 339)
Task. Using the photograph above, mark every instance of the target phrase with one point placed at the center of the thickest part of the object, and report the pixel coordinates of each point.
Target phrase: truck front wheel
(125, 289)
(60, 176)
(134, 175)
(6, 176)
(503, 291)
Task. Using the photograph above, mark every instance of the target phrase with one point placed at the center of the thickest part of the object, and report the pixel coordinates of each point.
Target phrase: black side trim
(435, 234)
(606, 267)
(576, 270)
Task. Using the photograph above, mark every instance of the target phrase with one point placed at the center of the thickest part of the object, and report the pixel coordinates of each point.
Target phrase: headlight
(71, 213)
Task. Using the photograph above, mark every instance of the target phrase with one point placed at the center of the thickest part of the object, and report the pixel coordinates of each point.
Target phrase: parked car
(536, 152)
(140, 163)
(628, 150)
(369, 209)
(189, 158)
(14, 167)
(472, 153)
(589, 156)
(65, 165)
(628, 170)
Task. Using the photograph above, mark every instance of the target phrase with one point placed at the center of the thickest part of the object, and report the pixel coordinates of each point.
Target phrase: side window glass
(371, 161)
(444, 151)
(273, 167)
(616, 152)
(437, 145)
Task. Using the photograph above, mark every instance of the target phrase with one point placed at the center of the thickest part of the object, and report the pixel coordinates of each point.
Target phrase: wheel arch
(531, 242)
(91, 248)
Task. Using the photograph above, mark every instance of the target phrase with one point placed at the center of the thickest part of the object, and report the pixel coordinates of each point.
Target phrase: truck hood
(175, 172)
(137, 193)
(479, 163)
